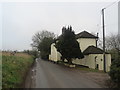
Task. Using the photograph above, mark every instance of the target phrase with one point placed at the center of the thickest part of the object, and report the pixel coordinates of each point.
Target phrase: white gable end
(86, 42)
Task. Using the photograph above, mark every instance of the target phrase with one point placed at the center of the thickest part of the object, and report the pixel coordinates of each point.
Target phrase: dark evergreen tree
(68, 46)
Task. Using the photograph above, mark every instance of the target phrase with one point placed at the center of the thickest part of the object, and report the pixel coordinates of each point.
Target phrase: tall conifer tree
(68, 46)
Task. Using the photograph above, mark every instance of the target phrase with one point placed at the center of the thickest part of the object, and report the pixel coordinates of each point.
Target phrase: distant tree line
(33, 52)
(42, 43)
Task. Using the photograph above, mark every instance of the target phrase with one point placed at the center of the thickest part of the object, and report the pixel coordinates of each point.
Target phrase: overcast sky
(20, 21)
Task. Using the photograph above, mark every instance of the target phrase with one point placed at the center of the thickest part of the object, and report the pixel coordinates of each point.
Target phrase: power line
(100, 26)
(111, 4)
(103, 22)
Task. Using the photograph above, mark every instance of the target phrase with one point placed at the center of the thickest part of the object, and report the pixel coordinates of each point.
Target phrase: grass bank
(14, 68)
(80, 67)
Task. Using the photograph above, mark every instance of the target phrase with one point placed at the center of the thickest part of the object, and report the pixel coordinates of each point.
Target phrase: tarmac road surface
(50, 75)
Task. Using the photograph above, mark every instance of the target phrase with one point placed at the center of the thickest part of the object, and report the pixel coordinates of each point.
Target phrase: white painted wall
(86, 42)
(99, 61)
(108, 62)
(89, 60)
(55, 55)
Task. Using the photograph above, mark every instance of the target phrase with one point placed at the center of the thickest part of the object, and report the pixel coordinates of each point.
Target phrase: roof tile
(85, 34)
(93, 50)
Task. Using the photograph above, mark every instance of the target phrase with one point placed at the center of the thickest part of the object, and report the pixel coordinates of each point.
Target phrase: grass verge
(14, 68)
(80, 67)
(88, 69)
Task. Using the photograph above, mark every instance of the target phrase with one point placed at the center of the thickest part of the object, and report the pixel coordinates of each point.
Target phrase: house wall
(96, 59)
(55, 55)
(86, 42)
(108, 62)
(89, 60)
(81, 61)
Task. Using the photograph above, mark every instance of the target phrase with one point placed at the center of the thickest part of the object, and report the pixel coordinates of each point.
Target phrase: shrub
(115, 72)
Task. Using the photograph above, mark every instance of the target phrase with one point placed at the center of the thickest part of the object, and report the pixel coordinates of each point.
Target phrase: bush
(14, 69)
(115, 72)
(44, 55)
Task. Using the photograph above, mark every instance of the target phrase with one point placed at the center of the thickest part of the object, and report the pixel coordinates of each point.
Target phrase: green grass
(14, 69)
(88, 69)
(82, 68)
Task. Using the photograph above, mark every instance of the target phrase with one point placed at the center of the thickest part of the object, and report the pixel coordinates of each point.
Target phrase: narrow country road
(50, 75)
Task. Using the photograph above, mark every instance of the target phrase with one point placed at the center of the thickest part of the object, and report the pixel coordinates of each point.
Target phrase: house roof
(93, 50)
(85, 34)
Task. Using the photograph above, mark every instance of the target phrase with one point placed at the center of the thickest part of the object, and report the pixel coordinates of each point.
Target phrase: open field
(14, 69)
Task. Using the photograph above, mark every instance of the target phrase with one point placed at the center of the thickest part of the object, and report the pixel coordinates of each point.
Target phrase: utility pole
(103, 22)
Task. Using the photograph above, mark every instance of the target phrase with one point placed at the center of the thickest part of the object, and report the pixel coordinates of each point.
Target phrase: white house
(93, 56)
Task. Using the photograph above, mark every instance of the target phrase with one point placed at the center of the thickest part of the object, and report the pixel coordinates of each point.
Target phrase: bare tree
(100, 43)
(113, 42)
(113, 45)
(42, 42)
(39, 36)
